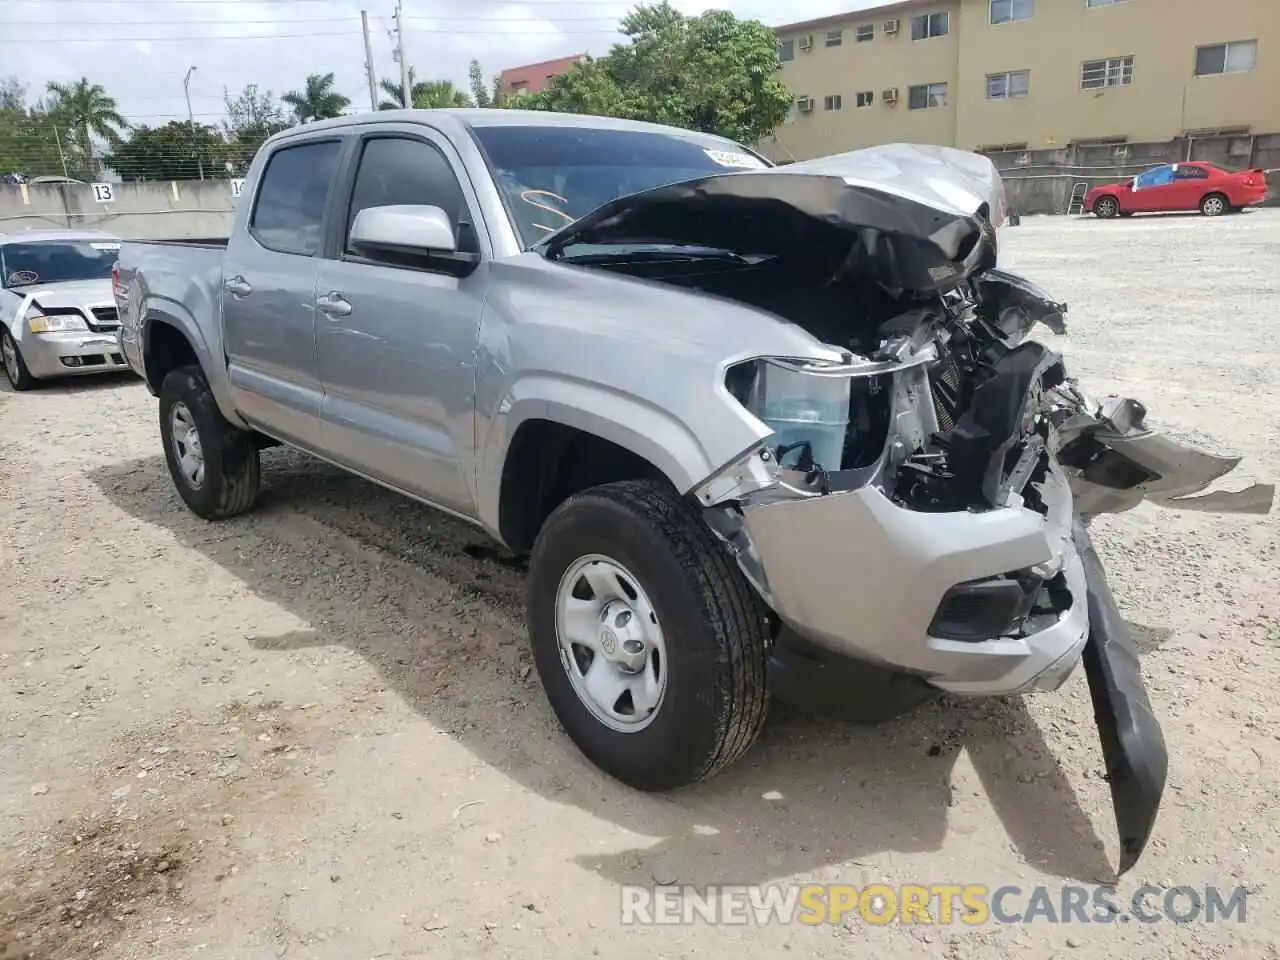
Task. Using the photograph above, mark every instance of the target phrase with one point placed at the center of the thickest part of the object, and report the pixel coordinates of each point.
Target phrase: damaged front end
(920, 500)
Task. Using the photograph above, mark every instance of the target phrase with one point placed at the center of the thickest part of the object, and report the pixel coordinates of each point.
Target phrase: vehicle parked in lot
(1174, 187)
(57, 313)
(760, 430)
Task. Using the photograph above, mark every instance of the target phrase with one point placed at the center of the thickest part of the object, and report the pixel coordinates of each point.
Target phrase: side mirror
(408, 229)
(411, 235)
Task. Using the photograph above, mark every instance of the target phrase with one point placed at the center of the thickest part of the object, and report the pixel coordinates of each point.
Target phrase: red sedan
(1179, 186)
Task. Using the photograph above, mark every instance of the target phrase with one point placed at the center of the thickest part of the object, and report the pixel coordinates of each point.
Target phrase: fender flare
(173, 315)
(645, 430)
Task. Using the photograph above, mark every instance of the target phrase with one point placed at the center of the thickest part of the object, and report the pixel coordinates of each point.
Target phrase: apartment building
(1029, 74)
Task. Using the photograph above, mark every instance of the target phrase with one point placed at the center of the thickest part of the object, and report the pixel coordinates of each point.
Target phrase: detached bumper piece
(1133, 746)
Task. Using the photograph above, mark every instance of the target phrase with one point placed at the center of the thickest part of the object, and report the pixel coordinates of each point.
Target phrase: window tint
(397, 170)
(1191, 173)
(289, 214)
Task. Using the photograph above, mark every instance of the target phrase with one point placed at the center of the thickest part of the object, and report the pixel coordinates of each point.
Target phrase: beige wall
(893, 60)
(1164, 100)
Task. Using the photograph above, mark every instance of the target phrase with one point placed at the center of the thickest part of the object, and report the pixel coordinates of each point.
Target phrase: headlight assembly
(38, 322)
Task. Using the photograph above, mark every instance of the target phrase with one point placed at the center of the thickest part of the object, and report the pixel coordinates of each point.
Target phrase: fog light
(72, 362)
(984, 609)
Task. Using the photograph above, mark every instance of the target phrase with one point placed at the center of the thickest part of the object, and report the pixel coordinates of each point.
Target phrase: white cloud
(139, 50)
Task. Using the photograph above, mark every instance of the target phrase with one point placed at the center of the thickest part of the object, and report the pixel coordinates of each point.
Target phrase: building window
(835, 38)
(1114, 72)
(1011, 11)
(866, 98)
(1103, 3)
(833, 101)
(865, 32)
(1007, 86)
(929, 25)
(787, 49)
(926, 95)
(1238, 57)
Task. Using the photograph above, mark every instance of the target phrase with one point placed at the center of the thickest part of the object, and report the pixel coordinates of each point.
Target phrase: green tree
(317, 100)
(172, 152)
(712, 72)
(427, 94)
(479, 89)
(252, 117)
(85, 109)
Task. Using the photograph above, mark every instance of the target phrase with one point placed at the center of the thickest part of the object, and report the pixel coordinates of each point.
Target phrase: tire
(711, 631)
(1215, 205)
(15, 368)
(1104, 208)
(227, 483)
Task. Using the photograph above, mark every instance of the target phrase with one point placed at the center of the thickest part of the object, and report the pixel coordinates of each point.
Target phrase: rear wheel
(1106, 207)
(15, 368)
(648, 641)
(213, 463)
(1215, 205)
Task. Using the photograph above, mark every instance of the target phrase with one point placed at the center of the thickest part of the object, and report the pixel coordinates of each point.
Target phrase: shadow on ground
(437, 612)
(87, 383)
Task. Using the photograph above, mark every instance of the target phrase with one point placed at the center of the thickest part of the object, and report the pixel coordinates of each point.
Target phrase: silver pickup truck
(760, 430)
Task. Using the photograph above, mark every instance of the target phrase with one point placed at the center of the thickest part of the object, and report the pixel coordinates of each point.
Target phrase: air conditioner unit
(1023, 159)
(889, 95)
(890, 26)
(806, 42)
(804, 104)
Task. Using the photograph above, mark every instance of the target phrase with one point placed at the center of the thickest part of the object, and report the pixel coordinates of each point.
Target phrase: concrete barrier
(188, 209)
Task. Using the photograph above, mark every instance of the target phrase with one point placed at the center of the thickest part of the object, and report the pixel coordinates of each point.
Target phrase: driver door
(396, 342)
(1153, 191)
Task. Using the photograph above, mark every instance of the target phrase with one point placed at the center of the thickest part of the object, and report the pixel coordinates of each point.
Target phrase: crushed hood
(916, 217)
(79, 294)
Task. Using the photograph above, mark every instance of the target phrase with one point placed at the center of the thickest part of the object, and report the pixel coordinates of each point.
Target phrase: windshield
(56, 261)
(553, 175)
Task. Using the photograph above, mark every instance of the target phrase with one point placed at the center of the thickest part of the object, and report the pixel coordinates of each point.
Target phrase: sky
(140, 50)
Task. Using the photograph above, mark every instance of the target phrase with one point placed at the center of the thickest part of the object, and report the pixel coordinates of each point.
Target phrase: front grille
(105, 319)
(945, 380)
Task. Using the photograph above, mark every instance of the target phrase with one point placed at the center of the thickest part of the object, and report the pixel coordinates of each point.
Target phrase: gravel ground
(313, 732)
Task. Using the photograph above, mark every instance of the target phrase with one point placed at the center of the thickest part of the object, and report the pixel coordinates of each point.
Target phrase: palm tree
(426, 94)
(318, 100)
(87, 109)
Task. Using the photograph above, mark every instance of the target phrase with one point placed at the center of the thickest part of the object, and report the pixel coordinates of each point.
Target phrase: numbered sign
(103, 192)
(237, 187)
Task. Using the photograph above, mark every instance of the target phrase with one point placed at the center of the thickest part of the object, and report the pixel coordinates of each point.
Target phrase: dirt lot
(313, 732)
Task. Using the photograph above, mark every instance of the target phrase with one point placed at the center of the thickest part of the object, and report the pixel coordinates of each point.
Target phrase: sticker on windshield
(105, 246)
(23, 277)
(727, 158)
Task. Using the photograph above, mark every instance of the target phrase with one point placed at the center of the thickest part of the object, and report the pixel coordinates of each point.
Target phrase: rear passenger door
(268, 296)
(1189, 182)
(397, 360)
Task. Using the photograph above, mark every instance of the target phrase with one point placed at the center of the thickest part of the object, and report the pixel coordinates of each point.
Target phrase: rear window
(552, 175)
(289, 214)
(56, 261)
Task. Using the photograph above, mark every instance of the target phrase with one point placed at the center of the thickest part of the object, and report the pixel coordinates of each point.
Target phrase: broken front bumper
(865, 578)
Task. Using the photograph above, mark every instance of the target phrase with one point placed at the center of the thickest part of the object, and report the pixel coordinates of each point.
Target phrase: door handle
(333, 305)
(238, 286)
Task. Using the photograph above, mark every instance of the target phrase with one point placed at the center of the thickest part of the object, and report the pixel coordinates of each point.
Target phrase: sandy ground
(313, 732)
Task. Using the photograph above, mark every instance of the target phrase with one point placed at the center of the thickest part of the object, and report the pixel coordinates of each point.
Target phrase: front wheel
(649, 642)
(1214, 205)
(213, 463)
(15, 368)
(1106, 207)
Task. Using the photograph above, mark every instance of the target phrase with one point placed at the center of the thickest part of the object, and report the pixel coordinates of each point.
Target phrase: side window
(1156, 177)
(1191, 173)
(398, 170)
(288, 216)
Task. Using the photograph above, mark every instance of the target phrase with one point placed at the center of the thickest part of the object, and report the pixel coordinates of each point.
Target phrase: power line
(286, 36)
(346, 19)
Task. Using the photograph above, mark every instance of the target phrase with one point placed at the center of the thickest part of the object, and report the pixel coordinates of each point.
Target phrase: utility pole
(61, 156)
(404, 62)
(191, 120)
(368, 61)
